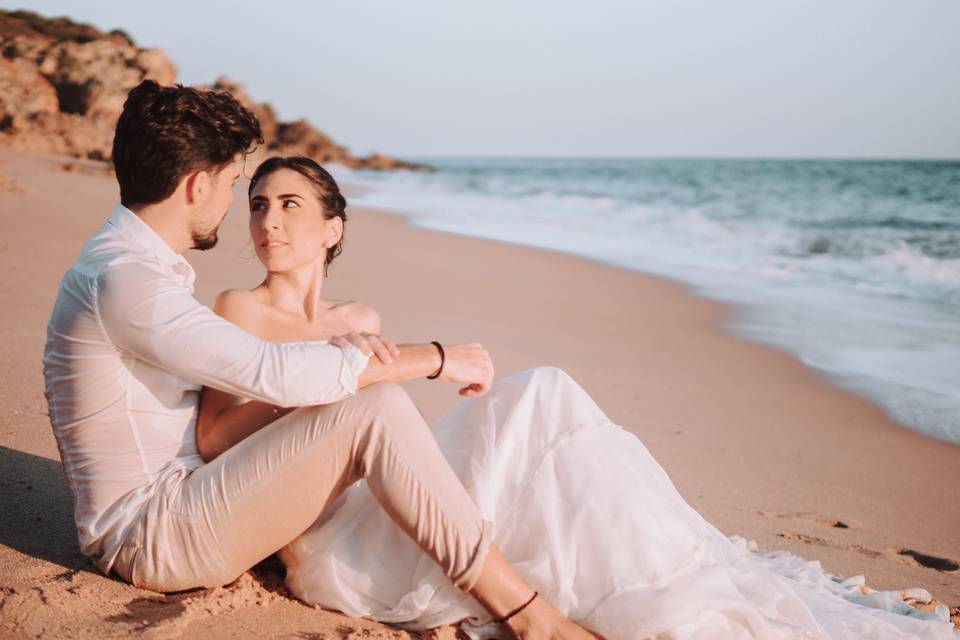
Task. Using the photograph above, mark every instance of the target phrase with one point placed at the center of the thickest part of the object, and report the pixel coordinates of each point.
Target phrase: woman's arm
(224, 419)
(222, 424)
(467, 364)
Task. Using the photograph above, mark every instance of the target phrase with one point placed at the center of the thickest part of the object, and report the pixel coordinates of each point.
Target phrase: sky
(709, 78)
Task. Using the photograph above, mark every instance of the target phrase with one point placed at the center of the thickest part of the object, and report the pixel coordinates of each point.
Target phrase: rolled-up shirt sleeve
(148, 315)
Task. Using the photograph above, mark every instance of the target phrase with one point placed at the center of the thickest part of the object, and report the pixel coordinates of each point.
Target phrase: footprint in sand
(823, 542)
(806, 516)
(909, 556)
(906, 556)
(820, 520)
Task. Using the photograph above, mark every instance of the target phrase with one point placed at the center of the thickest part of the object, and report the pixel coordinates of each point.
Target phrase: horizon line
(676, 157)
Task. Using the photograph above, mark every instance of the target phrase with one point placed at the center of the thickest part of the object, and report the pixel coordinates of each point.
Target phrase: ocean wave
(820, 255)
(918, 269)
(897, 222)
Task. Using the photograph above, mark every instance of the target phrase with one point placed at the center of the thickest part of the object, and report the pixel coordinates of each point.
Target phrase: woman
(581, 510)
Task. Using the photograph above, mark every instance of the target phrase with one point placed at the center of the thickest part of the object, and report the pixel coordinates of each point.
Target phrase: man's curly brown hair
(166, 133)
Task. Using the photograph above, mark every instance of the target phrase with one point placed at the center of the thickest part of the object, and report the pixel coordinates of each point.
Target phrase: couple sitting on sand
(198, 442)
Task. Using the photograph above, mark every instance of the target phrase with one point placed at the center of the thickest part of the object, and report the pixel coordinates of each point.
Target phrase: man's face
(210, 215)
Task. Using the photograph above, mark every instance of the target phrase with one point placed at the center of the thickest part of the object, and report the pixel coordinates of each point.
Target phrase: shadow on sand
(37, 510)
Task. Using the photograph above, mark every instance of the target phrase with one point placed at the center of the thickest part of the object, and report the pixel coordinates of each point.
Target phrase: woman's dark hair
(165, 133)
(332, 202)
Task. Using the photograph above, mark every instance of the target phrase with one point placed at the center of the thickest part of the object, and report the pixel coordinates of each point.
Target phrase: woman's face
(287, 225)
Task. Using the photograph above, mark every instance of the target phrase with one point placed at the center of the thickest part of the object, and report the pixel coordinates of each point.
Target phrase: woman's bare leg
(501, 590)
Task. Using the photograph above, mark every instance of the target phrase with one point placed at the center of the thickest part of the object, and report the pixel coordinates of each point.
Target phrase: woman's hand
(369, 344)
(470, 364)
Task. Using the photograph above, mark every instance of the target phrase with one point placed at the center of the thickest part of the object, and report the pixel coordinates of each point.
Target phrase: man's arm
(222, 424)
(148, 315)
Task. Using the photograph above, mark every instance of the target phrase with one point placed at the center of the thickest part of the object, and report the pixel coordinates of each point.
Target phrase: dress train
(587, 516)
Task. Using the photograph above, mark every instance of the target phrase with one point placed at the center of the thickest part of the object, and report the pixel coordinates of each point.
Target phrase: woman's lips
(273, 245)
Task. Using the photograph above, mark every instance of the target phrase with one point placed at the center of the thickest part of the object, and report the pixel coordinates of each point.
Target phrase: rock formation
(301, 138)
(63, 84)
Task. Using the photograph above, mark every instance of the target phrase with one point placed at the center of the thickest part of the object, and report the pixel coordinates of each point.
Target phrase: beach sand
(761, 445)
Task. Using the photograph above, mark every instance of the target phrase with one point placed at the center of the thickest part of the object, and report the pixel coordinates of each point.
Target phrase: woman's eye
(256, 206)
(289, 202)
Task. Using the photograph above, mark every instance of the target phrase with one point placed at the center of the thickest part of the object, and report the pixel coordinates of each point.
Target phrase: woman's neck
(297, 291)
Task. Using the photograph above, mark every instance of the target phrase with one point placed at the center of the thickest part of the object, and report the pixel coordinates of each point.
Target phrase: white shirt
(128, 349)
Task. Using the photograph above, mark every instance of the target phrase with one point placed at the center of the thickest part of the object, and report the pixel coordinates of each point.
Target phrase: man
(129, 347)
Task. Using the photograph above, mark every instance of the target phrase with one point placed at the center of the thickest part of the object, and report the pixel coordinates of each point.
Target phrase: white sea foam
(856, 297)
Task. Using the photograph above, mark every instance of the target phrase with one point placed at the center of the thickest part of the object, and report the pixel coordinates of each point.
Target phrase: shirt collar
(130, 224)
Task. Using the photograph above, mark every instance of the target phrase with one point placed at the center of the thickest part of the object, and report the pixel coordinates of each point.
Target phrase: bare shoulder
(359, 316)
(240, 307)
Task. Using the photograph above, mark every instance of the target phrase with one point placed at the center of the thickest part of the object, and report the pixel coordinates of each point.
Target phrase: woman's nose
(271, 219)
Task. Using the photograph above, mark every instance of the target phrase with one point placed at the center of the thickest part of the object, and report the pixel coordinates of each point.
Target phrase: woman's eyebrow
(283, 196)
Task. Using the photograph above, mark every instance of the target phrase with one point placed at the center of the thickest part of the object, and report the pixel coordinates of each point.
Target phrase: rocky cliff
(63, 84)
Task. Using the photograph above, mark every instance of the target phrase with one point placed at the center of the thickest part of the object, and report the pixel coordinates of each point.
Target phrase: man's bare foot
(541, 621)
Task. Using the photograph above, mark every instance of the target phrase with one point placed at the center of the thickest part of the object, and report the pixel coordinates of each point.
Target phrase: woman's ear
(334, 231)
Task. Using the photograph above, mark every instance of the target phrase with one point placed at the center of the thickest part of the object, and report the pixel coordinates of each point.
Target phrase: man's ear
(197, 186)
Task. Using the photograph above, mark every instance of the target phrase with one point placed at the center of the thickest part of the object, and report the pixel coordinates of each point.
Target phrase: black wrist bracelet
(517, 610)
(443, 359)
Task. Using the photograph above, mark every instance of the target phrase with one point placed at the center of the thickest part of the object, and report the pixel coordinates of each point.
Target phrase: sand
(761, 445)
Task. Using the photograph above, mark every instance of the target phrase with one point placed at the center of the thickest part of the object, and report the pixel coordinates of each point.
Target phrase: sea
(851, 265)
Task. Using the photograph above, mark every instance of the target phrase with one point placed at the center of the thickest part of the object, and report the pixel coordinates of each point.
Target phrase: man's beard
(204, 241)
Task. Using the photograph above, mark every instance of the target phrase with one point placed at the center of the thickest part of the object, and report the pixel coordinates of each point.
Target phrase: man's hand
(368, 343)
(468, 364)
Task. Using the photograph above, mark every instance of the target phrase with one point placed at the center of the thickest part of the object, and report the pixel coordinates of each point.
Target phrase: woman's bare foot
(541, 621)
(501, 590)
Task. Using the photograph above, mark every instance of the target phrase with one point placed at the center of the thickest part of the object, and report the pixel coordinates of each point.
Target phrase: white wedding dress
(588, 518)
